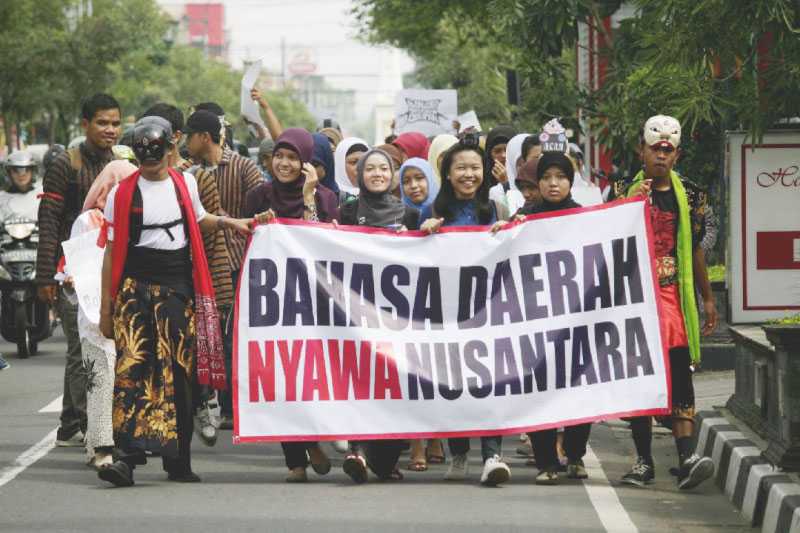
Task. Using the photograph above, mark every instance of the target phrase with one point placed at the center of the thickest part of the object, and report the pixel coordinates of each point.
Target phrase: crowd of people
(174, 203)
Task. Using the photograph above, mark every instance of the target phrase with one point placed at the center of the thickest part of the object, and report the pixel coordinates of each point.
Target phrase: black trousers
(296, 453)
(225, 396)
(381, 455)
(544, 445)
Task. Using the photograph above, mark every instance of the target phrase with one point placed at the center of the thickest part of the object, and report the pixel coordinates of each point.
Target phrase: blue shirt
(465, 214)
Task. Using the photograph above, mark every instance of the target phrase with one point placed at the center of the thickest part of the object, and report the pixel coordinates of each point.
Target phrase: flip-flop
(417, 466)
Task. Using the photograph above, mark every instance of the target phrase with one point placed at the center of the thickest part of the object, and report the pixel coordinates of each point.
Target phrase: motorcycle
(24, 319)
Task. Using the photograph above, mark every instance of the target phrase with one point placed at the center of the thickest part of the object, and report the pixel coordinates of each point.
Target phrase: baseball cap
(662, 130)
(203, 122)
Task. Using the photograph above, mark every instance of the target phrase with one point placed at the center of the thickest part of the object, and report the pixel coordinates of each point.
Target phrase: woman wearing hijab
(441, 143)
(463, 200)
(99, 353)
(346, 157)
(514, 160)
(412, 144)
(397, 161)
(323, 162)
(295, 193)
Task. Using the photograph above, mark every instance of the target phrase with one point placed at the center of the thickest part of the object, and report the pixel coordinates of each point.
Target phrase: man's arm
(702, 282)
(106, 303)
(51, 219)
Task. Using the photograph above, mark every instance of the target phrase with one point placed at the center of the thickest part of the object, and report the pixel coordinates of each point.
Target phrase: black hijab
(498, 135)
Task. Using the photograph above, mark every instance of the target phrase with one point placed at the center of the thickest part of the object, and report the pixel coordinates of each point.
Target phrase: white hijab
(513, 153)
(340, 164)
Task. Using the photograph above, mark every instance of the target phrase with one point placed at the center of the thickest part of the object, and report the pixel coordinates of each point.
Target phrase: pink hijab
(112, 173)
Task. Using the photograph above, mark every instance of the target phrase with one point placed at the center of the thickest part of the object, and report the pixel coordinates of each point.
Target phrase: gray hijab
(377, 209)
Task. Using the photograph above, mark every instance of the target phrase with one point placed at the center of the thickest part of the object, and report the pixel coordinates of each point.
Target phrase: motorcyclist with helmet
(21, 197)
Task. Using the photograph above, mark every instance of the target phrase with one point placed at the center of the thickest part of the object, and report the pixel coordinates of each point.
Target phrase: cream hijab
(441, 143)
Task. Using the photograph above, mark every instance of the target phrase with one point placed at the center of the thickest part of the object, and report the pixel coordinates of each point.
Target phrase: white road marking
(612, 514)
(54, 406)
(28, 457)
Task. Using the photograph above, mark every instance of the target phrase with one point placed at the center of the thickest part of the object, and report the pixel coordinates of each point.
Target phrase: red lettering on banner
(262, 371)
(290, 362)
(315, 377)
(386, 376)
(787, 177)
(345, 371)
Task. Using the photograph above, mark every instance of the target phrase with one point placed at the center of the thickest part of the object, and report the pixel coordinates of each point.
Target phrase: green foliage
(791, 320)
(716, 273)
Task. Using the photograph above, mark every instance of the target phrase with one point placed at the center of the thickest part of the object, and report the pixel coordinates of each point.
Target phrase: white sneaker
(75, 441)
(458, 469)
(204, 426)
(341, 446)
(495, 472)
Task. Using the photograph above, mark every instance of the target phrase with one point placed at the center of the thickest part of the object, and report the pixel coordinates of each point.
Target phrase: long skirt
(99, 358)
(155, 338)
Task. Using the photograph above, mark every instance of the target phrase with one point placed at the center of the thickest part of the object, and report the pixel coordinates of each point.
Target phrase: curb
(766, 496)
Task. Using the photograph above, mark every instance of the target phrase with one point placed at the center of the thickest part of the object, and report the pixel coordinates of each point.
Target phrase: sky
(324, 27)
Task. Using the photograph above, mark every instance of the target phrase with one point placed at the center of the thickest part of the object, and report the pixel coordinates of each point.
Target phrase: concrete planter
(754, 364)
(783, 414)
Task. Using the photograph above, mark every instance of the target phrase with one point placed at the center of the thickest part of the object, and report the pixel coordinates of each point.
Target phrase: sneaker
(204, 426)
(183, 477)
(641, 474)
(547, 477)
(495, 472)
(694, 471)
(458, 469)
(576, 470)
(297, 475)
(4, 365)
(355, 466)
(67, 440)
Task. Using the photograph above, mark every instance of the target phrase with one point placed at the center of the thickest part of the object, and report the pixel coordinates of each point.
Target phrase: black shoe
(694, 471)
(355, 466)
(118, 474)
(641, 474)
(184, 477)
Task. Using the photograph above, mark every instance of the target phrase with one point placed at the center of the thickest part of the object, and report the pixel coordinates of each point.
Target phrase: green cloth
(686, 289)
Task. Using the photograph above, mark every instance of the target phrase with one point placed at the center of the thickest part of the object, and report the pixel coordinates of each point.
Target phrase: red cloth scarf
(210, 361)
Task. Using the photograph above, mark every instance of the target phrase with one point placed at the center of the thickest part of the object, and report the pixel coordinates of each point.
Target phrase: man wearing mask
(65, 185)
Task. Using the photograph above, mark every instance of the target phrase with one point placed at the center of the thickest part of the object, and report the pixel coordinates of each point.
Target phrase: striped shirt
(214, 242)
(236, 176)
(65, 190)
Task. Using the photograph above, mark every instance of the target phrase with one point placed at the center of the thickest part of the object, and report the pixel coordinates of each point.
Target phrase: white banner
(429, 112)
(356, 333)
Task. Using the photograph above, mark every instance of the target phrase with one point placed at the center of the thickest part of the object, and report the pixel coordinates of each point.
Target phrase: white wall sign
(764, 254)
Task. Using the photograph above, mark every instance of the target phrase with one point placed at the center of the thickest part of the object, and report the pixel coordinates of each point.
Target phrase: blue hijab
(433, 185)
(324, 156)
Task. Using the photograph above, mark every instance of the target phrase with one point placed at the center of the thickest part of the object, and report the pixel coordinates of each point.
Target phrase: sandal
(417, 466)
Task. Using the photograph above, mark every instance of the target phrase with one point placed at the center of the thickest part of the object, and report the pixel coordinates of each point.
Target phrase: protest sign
(249, 108)
(426, 111)
(357, 333)
(469, 120)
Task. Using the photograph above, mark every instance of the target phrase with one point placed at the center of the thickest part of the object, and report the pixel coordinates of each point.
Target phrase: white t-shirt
(160, 206)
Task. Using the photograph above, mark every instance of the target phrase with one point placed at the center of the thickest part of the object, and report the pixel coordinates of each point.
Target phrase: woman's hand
(499, 172)
(256, 95)
(312, 180)
(497, 226)
(107, 324)
(265, 218)
(432, 225)
(243, 226)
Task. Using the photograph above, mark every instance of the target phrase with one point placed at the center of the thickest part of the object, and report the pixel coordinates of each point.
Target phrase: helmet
(152, 138)
(51, 154)
(21, 159)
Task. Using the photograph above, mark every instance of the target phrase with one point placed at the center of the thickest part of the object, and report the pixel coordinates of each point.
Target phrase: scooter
(24, 319)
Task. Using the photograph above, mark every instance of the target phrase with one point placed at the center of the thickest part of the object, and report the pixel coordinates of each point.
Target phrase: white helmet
(21, 159)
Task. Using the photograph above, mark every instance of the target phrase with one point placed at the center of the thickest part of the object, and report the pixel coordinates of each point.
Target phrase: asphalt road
(243, 487)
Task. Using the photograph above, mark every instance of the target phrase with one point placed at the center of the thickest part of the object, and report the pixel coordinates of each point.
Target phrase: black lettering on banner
(637, 352)
(504, 298)
(473, 352)
(428, 300)
(534, 362)
(390, 291)
(532, 286)
(451, 384)
(506, 374)
(626, 268)
(420, 371)
(595, 278)
(606, 340)
(558, 337)
(561, 272)
(478, 277)
(582, 363)
(264, 305)
(362, 297)
(297, 294)
(330, 291)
